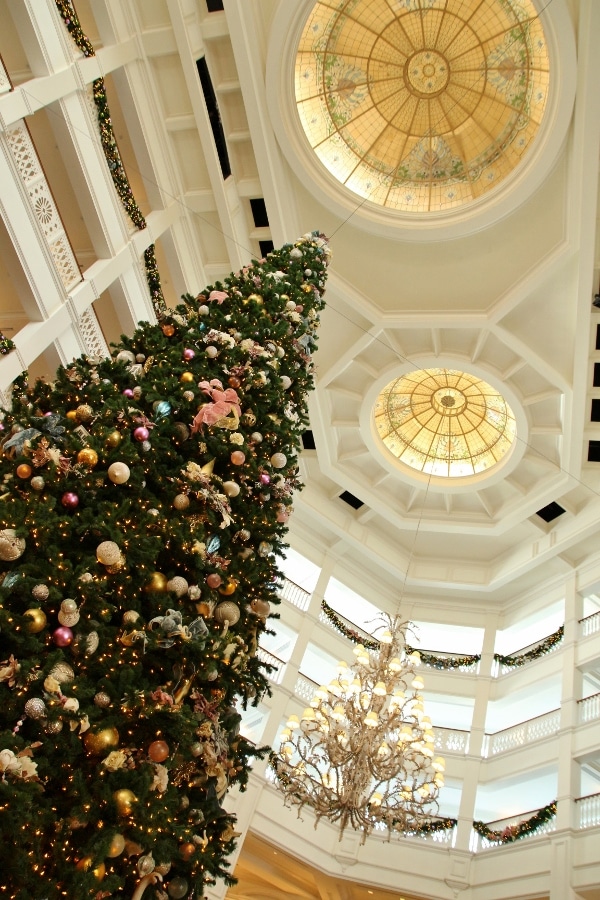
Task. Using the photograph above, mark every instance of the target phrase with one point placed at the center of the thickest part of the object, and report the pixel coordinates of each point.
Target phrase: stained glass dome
(444, 423)
(421, 105)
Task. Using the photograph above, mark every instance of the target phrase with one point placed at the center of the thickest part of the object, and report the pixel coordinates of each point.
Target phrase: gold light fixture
(363, 753)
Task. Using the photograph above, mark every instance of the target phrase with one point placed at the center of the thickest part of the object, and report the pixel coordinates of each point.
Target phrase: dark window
(265, 247)
(594, 451)
(214, 5)
(550, 512)
(596, 374)
(308, 440)
(595, 410)
(259, 213)
(597, 337)
(351, 500)
(210, 99)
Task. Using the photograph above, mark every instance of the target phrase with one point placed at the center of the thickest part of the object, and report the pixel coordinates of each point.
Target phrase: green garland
(522, 829)
(428, 659)
(545, 646)
(6, 345)
(113, 156)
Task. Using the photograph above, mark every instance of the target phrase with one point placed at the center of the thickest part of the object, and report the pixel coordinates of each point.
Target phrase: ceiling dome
(444, 423)
(421, 105)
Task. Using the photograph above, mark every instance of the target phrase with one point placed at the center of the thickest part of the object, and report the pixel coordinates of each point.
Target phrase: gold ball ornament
(71, 414)
(181, 502)
(11, 546)
(227, 611)
(97, 742)
(229, 587)
(114, 439)
(257, 298)
(231, 488)
(156, 582)
(187, 850)
(117, 845)
(102, 699)
(24, 471)
(85, 865)
(124, 801)
(36, 620)
(186, 377)
(40, 592)
(87, 457)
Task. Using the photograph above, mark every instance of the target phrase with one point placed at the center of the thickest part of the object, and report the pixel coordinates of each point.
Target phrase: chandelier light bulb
(439, 764)
(355, 687)
(358, 649)
(376, 799)
(386, 636)
(415, 658)
(380, 689)
(418, 683)
(371, 719)
(395, 665)
(308, 715)
(338, 713)
(293, 722)
(285, 735)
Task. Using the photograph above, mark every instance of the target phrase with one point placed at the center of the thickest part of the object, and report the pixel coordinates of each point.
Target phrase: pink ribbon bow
(222, 402)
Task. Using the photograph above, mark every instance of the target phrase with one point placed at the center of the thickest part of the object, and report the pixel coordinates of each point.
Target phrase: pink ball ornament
(282, 514)
(128, 393)
(265, 478)
(188, 354)
(238, 458)
(141, 433)
(62, 636)
(213, 580)
(158, 751)
(69, 500)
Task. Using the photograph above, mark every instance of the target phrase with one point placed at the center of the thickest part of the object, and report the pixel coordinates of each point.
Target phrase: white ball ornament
(286, 382)
(125, 356)
(178, 585)
(256, 436)
(295, 253)
(108, 553)
(203, 310)
(291, 304)
(278, 460)
(212, 352)
(231, 488)
(119, 472)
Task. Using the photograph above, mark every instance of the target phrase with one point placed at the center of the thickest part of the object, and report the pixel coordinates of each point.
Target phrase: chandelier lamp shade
(362, 755)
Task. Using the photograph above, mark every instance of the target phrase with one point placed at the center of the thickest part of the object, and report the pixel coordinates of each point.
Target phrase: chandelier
(362, 755)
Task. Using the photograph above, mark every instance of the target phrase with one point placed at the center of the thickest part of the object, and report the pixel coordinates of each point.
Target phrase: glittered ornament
(178, 585)
(62, 636)
(108, 553)
(68, 614)
(91, 643)
(102, 741)
(256, 436)
(84, 412)
(248, 418)
(227, 611)
(212, 352)
(119, 472)
(87, 457)
(62, 672)
(278, 460)
(35, 708)
(286, 382)
(102, 700)
(168, 330)
(11, 546)
(130, 617)
(158, 751)
(181, 432)
(38, 483)
(36, 620)
(24, 471)
(125, 356)
(189, 396)
(137, 392)
(260, 608)
(40, 592)
(146, 446)
(54, 727)
(181, 502)
(264, 548)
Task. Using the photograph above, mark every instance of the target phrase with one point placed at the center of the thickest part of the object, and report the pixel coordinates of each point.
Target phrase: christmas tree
(144, 504)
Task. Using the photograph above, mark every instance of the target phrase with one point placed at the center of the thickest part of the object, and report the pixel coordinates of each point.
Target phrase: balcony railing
(504, 828)
(524, 733)
(588, 809)
(275, 676)
(589, 708)
(294, 594)
(589, 625)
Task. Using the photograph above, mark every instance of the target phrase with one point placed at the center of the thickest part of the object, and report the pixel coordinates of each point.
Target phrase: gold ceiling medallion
(421, 105)
(444, 423)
